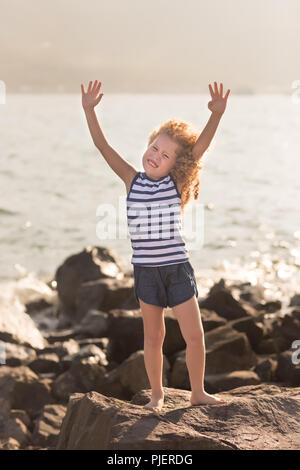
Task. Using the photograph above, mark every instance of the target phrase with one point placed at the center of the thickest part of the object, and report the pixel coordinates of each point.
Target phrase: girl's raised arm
(119, 165)
(217, 106)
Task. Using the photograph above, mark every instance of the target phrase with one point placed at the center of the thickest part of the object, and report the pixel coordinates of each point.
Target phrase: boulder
(238, 378)
(227, 350)
(253, 329)
(83, 376)
(211, 320)
(89, 265)
(266, 368)
(125, 332)
(287, 370)
(101, 294)
(246, 422)
(93, 324)
(179, 376)
(23, 389)
(224, 304)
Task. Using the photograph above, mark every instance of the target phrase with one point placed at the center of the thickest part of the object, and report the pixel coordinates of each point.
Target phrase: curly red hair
(186, 169)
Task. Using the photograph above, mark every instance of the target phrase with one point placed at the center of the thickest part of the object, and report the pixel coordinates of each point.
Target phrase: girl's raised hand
(90, 98)
(218, 102)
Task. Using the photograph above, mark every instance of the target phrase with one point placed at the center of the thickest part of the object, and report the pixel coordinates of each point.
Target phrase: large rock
(287, 370)
(126, 334)
(102, 294)
(224, 304)
(238, 378)
(23, 389)
(255, 417)
(227, 350)
(17, 327)
(253, 329)
(129, 377)
(83, 376)
(89, 265)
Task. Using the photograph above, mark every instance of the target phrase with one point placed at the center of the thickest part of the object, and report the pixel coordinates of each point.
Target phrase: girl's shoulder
(129, 180)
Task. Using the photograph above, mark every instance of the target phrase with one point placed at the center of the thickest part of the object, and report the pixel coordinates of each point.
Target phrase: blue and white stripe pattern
(154, 221)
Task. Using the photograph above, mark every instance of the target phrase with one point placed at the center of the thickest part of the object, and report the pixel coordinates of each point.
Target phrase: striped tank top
(154, 221)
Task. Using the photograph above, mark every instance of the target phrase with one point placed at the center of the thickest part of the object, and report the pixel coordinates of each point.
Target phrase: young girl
(163, 275)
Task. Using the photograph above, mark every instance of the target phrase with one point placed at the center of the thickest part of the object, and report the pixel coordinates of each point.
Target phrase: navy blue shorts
(165, 286)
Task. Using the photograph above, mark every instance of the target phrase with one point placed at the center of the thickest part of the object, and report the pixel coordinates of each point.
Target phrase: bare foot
(155, 404)
(206, 399)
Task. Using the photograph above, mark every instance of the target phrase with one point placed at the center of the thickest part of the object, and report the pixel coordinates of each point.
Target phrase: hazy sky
(150, 45)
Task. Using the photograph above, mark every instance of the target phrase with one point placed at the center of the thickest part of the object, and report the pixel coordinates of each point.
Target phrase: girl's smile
(160, 156)
(152, 163)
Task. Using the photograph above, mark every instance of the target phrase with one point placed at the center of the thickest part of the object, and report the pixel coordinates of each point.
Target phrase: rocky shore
(72, 372)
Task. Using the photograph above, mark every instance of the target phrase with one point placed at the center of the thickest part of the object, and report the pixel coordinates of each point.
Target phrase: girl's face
(160, 157)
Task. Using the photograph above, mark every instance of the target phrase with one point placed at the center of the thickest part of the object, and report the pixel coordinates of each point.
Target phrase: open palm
(90, 98)
(218, 102)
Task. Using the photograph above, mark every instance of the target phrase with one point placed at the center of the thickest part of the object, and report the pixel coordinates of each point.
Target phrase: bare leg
(154, 334)
(189, 319)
